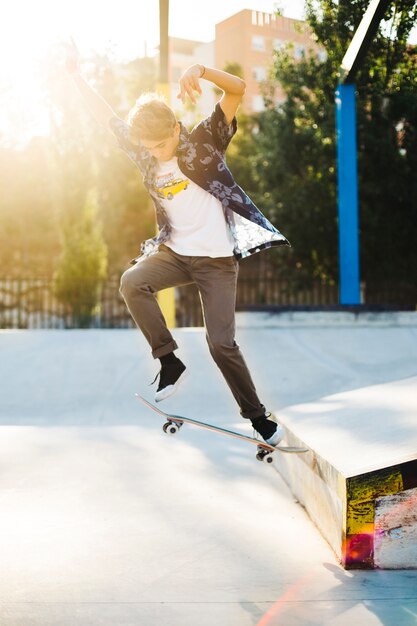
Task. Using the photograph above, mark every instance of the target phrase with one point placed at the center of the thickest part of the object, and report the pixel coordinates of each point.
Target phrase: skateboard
(174, 423)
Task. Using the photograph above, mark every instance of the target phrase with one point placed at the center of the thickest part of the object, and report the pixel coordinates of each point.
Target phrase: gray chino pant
(216, 280)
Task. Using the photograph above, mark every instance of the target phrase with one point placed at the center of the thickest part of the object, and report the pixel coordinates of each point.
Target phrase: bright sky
(125, 25)
(123, 28)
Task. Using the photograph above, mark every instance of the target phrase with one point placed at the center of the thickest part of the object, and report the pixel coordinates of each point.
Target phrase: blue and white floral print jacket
(201, 157)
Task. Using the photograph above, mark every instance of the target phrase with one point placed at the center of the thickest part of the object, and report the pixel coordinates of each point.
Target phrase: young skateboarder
(206, 223)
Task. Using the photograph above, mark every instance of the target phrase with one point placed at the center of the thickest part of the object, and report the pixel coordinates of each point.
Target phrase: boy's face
(164, 149)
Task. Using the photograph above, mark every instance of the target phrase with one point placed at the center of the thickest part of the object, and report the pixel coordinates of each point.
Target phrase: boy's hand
(189, 83)
(72, 57)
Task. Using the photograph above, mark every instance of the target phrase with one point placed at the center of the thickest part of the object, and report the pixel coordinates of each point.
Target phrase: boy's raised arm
(96, 104)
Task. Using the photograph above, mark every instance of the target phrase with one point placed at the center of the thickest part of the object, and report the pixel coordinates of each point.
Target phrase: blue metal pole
(347, 181)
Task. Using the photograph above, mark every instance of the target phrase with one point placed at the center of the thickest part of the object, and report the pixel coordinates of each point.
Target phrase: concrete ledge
(359, 481)
(280, 319)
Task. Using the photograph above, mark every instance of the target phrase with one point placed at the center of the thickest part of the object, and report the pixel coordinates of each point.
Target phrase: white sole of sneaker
(276, 437)
(170, 389)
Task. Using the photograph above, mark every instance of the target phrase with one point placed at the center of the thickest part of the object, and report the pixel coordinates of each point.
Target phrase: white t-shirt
(198, 224)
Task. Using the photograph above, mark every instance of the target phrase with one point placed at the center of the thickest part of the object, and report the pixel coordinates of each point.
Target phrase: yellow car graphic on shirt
(172, 187)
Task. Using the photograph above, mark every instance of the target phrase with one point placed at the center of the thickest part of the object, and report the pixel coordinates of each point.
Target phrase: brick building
(250, 38)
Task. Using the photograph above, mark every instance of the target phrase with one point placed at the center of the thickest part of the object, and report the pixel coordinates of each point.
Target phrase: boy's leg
(138, 286)
(216, 280)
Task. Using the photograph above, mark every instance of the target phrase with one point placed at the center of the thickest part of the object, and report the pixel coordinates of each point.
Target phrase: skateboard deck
(175, 422)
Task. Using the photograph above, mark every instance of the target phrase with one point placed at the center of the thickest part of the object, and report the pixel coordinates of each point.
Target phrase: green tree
(295, 162)
(81, 268)
(46, 180)
(28, 229)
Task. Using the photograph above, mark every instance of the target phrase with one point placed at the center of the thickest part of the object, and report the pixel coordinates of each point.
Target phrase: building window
(322, 56)
(299, 52)
(258, 43)
(254, 18)
(259, 73)
(278, 44)
(258, 104)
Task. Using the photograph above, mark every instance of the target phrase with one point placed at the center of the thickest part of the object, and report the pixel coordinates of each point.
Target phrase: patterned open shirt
(201, 157)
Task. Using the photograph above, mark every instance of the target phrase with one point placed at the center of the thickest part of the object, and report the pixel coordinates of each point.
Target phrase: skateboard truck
(171, 428)
(264, 454)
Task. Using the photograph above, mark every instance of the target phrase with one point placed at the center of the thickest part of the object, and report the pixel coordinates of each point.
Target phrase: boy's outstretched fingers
(196, 85)
(181, 94)
(186, 88)
(189, 83)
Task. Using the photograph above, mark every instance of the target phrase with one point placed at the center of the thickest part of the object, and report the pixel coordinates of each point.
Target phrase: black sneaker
(277, 436)
(270, 431)
(170, 376)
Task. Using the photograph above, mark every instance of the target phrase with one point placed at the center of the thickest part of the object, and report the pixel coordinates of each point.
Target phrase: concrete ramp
(343, 385)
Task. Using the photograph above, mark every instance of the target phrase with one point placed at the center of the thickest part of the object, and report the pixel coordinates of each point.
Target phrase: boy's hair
(151, 118)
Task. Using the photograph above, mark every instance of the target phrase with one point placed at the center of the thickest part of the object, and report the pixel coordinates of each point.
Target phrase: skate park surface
(106, 520)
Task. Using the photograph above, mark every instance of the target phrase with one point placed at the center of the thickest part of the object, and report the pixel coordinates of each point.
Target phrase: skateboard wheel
(264, 455)
(170, 428)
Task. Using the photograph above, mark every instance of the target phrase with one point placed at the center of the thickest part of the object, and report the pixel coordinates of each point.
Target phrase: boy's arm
(232, 86)
(98, 107)
(96, 104)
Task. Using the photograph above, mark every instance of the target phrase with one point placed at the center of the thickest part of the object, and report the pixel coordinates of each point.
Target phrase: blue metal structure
(347, 178)
(347, 183)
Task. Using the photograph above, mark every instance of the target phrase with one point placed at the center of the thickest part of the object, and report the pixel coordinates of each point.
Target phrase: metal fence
(30, 302)
(257, 293)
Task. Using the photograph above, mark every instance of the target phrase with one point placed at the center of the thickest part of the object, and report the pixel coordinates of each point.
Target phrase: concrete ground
(106, 520)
